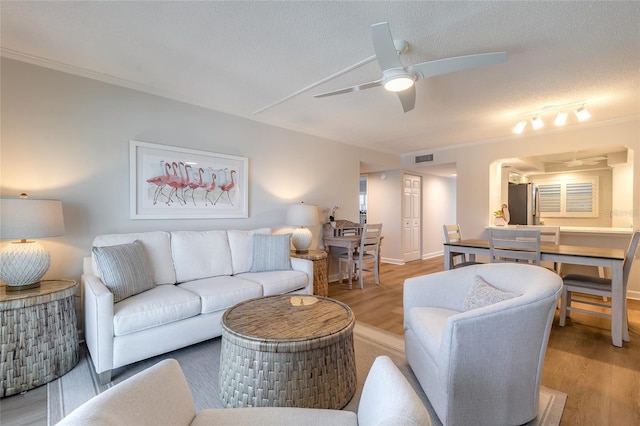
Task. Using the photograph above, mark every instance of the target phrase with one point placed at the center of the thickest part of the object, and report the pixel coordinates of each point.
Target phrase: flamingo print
(161, 180)
(210, 188)
(193, 185)
(226, 188)
(176, 182)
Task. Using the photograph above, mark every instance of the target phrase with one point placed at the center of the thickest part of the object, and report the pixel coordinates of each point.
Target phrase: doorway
(411, 217)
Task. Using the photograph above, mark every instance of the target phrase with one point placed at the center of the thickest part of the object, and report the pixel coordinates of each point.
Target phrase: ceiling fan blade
(408, 98)
(350, 89)
(386, 52)
(458, 63)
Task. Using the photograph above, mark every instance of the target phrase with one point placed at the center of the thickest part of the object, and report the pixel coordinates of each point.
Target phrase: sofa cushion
(271, 252)
(200, 254)
(482, 294)
(241, 245)
(157, 246)
(161, 305)
(221, 293)
(278, 282)
(124, 269)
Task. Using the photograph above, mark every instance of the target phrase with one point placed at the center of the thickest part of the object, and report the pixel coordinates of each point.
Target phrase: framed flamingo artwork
(177, 183)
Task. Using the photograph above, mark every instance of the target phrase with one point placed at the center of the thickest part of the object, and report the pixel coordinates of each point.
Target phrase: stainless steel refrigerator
(524, 205)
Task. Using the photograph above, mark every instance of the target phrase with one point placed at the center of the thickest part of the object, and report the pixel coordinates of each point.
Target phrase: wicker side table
(320, 270)
(287, 351)
(38, 335)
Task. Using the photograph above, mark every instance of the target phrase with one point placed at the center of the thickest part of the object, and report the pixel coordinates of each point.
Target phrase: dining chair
(453, 234)
(514, 245)
(597, 286)
(368, 252)
(548, 234)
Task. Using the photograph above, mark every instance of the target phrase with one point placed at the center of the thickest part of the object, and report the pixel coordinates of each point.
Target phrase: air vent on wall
(424, 158)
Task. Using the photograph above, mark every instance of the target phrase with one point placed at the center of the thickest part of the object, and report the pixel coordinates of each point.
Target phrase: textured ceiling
(239, 57)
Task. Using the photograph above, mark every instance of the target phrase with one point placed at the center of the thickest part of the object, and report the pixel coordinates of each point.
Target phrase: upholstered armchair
(476, 338)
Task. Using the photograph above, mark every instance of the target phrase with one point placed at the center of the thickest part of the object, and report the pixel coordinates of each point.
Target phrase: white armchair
(160, 395)
(481, 366)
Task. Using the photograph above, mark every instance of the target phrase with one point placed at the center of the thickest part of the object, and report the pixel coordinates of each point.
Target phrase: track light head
(537, 123)
(582, 114)
(561, 118)
(520, 127)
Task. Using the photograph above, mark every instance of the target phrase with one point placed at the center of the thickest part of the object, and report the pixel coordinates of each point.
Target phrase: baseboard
(632, 294)
(432, 255)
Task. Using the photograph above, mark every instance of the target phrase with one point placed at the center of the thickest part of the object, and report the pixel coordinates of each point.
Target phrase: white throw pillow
(271, 253)
(124, 269)
(200, 254)
(241, 244)
(157, 248)
(482, 294)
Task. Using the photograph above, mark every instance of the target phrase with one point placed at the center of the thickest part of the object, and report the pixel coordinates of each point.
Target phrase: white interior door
(411, 217)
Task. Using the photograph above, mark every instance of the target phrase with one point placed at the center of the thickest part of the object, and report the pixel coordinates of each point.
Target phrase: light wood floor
(602, 382)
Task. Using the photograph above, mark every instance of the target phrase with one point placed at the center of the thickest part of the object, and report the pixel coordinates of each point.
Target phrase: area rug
(200, 364)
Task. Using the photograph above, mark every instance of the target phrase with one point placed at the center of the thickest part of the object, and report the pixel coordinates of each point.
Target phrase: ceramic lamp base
(301, 239)
(23, 264)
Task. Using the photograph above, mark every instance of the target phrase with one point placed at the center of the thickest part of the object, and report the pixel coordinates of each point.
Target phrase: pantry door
(411, 217)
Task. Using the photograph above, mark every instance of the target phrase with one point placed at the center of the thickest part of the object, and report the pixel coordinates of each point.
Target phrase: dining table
(577, 255)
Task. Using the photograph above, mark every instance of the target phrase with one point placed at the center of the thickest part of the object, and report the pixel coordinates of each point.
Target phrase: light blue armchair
(481, 365)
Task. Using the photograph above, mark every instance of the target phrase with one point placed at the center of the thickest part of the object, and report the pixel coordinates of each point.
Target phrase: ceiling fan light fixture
(520, 127)
(582, 114)
(537, 123)
(561, 118)
(399, 83)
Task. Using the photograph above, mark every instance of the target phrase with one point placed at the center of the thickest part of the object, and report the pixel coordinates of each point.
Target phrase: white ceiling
(239, 57)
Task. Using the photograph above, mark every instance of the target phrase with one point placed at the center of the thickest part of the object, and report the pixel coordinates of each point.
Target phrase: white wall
(384, 205)
(438, 208)
(66, 137)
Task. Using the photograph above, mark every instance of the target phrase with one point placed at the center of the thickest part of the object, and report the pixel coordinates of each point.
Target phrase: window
(570, 198)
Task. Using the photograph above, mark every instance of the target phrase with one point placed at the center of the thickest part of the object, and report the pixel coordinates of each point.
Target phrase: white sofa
(477, 346)
(197, 276)
(160, 395)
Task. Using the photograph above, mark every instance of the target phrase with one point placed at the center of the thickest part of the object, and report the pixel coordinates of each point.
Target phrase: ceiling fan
(575, 162)
(400, 79)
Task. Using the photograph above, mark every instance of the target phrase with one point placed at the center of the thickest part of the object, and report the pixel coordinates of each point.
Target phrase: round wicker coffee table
(288, 351)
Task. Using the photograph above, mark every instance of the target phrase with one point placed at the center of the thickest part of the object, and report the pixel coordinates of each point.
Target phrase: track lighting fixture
(561, 117)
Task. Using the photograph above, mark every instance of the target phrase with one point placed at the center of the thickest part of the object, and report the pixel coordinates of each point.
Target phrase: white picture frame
(168, 182)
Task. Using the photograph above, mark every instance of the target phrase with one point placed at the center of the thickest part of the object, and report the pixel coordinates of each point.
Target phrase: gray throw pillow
(482, 294)
(124, 268)
(271, 253)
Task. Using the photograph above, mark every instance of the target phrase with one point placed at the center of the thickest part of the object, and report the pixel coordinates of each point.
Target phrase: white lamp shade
(302, 215)
(22, 218)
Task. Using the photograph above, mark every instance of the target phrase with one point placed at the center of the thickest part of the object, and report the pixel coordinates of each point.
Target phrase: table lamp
(302, 215)
(24, 262)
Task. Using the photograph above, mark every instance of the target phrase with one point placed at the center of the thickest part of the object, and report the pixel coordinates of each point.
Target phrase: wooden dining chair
(514, 245)
(597, 286)
(368, 252)
(452, 234)
(549, 235)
